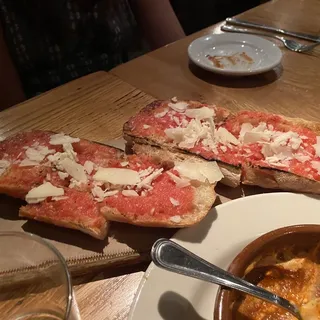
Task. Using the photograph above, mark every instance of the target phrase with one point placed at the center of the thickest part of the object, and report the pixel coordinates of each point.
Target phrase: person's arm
(157, 21)
(11, 91)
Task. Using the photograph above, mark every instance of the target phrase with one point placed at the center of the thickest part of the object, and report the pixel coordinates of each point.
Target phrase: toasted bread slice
(135, 128)
(147, 128)
(202, 194)
(203, 199)
(76, 210)
(17, 181)
(271, 176)
(154, 136)
(78, 184)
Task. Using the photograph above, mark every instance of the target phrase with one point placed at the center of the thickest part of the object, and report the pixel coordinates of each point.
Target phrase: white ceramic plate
(265, 54)
(218, 238)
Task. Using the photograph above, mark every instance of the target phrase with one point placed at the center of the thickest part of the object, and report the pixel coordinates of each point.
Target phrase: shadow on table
(140, 239)
(313, 53)
(173, 306)
(198, 232)
(241, 191)
(253, 81)
(67, 236)
(9, 208)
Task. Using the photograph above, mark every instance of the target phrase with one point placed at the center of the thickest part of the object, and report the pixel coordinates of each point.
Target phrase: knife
(239, 22)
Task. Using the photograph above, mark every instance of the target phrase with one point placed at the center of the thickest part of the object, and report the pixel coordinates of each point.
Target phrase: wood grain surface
(290, 89)
(93, 107)
(108, 299)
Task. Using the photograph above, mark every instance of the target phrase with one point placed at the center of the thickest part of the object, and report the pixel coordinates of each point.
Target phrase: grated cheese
(98, 193)
(161, 114)
(146, 182)
(180, 182)
(277, 147)
(59, 198)
(117, 176)
(175, 219)
(74, 169)
(70, 153)
(187, 137)
(110, 193)
(38, 153)
(145, 172)
(245, 127)
(88, 166)
(42, 192)
(223, 148)
(176, 120)
(199, 171)
(28, 163)
(130, 193)
(226, 137)
(62, 175)
(174, 202)
(180, 106)
(61, 138)
(174, 99)
(200, 113)
(253, 137)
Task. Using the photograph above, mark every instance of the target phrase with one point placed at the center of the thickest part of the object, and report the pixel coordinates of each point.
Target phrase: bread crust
(98, 233)
(203, 200)
(231, 174)
(163, 155)
(276, 179)
(311, 125)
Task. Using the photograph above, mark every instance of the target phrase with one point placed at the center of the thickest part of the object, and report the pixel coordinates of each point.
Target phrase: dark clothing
(68, 41)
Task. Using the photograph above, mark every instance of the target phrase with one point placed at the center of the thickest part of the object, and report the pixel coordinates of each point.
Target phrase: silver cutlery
(288, 43)
(172, 257)
(239, 22)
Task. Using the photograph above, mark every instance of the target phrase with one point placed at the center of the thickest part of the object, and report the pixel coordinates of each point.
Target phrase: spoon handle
(172, 257)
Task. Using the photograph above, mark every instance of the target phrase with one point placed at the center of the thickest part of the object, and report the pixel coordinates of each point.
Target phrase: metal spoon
(288, 43)
(172, 257)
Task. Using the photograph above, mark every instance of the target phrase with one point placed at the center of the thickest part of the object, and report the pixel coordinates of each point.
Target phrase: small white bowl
(264, 54)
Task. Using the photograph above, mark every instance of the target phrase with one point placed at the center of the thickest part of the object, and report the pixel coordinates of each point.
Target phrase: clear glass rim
(57, 253)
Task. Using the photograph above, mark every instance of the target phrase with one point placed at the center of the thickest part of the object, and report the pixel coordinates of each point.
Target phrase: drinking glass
(34, 280)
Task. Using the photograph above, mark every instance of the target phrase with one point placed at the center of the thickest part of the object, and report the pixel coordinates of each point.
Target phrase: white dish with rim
(265, 54)
(226, 230)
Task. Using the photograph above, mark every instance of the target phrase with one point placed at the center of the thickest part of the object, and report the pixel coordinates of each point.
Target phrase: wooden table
(108, 299)
(292, 89)
(95, 107)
